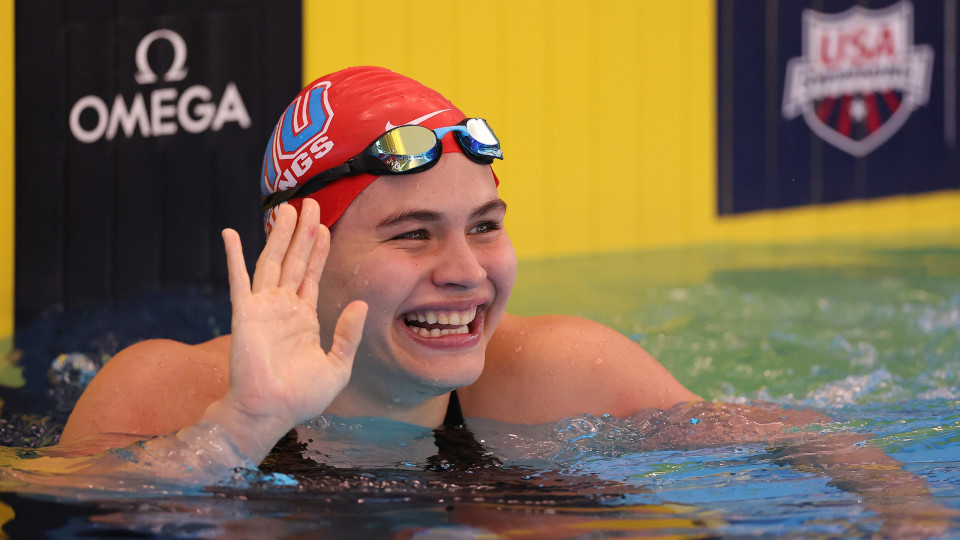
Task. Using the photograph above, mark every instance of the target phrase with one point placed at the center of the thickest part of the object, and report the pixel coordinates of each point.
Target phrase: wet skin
(427, 244)
(408, 250)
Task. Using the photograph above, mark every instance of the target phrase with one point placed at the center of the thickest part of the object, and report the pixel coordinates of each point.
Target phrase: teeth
(456, 318)
(459, 319)
(436, 332)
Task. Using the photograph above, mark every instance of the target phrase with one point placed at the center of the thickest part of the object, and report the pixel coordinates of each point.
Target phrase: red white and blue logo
(298, 139)
(860, 76)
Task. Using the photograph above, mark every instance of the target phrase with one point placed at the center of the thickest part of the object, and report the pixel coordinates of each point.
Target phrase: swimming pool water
(869, 335)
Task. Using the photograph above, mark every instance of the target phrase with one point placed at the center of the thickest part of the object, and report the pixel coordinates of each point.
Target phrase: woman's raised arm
(279, 374)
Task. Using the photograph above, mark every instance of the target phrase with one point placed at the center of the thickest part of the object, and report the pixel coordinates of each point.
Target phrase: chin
(448, 373)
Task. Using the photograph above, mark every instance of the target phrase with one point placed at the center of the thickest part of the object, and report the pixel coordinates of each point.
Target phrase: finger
(236, 266)
(347, 334)
(298, 253)
(267, 273)
(318, 259)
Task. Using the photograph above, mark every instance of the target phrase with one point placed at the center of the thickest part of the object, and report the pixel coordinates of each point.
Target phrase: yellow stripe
(6, 516)
(7, 218)
(901, 218)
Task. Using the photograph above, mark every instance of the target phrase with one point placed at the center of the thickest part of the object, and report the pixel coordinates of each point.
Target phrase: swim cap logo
(194, 110)
(860, 76)
(298, 140)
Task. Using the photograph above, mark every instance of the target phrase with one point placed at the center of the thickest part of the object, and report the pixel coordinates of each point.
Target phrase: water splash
(853, 389)
(74, 369)
(943, 317)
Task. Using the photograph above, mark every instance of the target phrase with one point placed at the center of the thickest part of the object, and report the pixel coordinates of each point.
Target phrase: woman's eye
(418, 234)
(485, 227)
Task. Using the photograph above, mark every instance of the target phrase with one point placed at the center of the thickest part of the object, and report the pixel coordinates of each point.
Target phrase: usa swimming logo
(860, 76)
(298, 140)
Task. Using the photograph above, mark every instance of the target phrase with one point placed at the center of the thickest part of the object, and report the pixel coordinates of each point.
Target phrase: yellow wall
(6, 173)
(606, 111)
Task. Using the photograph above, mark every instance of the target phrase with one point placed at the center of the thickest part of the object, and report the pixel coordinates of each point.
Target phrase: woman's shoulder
(152, 387)
(545, 368)
(546, 342)
(160, 361)
(217, 346)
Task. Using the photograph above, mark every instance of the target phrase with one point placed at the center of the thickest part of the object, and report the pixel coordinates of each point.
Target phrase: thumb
(347, 334)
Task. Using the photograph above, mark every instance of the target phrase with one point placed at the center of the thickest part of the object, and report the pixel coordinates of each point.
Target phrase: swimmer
(398, 267)
(382, 292)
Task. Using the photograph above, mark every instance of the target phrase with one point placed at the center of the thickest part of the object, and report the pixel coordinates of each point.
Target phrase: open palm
(279, 373)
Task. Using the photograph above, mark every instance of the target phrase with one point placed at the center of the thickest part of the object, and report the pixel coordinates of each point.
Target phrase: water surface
(867, 335)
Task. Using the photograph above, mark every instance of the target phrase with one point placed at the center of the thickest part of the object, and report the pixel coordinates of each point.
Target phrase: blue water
(867, 335)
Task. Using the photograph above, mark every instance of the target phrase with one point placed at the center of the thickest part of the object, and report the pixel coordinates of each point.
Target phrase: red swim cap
(333, 119)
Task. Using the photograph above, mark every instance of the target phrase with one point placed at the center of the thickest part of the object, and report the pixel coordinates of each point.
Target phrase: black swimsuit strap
(457, 448)
(454, 417)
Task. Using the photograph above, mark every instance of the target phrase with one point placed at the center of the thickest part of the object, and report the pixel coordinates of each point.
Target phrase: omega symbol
(177, 72)
(161, 111)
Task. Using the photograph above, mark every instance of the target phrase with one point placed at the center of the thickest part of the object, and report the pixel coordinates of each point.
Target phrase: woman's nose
(458, 265)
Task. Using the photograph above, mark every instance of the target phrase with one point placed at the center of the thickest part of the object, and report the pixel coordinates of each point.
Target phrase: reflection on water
(867, 336)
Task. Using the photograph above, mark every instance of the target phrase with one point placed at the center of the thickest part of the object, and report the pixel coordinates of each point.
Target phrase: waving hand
(279, 373)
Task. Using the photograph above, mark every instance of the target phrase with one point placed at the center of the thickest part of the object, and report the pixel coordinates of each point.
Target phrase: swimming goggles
(402, 150)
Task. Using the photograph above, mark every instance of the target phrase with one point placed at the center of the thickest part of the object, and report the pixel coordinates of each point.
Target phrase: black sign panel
(834, 100)
(140, 132)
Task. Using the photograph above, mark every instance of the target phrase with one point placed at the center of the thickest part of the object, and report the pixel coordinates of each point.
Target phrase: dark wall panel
(133, 194)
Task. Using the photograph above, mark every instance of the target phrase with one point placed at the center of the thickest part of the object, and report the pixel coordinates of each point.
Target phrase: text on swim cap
(303, 161)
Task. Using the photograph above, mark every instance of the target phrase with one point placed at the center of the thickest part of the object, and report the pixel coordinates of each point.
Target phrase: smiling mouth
(432, 323)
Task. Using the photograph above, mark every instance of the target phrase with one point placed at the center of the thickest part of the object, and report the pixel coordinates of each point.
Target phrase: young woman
(398, 267)
(386, 298)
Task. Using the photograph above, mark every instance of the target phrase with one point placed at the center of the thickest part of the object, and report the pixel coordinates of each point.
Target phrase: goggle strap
(309, 187)
(442, 132)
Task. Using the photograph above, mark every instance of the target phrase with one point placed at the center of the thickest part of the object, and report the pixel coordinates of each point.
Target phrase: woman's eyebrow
(495, 204)
(429, 216)
(402, 216)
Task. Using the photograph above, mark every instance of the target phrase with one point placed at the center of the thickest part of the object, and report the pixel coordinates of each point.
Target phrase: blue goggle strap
(471, 146)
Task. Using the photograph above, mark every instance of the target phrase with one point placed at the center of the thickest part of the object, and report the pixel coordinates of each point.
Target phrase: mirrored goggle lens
(480, 130)
(482, 141)
(406, 148)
